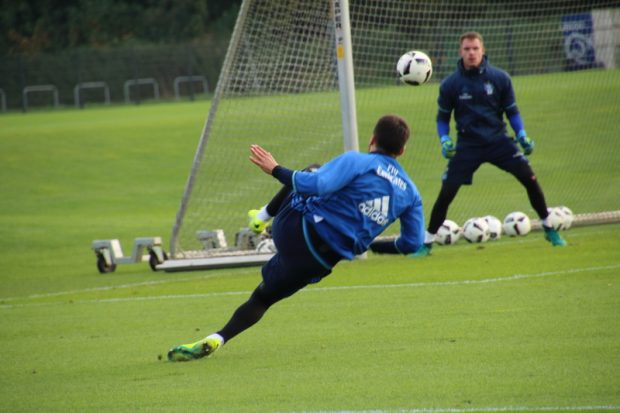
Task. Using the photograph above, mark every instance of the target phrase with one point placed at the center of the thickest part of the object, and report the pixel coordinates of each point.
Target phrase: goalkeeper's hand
(526, 143)
(447, 147)
(256, 224)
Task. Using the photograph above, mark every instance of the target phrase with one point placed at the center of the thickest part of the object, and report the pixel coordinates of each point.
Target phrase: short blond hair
(471, 36)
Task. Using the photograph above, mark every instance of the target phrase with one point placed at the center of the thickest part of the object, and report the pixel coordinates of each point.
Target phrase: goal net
(279, 87)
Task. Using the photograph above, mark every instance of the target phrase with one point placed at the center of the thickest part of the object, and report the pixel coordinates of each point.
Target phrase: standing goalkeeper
(479, 95)
(329, 215)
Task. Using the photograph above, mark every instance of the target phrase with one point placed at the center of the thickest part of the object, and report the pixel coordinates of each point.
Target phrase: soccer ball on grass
(569, 217)
(476, 230)
(266, 246)
(556, 218)
(560, 217)
(495, 227)
(448, 233)
(517, 223)
(414, 68)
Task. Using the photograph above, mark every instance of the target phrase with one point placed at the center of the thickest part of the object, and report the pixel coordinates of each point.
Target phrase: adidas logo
(376, 209)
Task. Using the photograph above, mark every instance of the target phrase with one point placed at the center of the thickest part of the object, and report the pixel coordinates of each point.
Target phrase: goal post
(202, 143)
(279, 86)
(303, 76)
(346, 81)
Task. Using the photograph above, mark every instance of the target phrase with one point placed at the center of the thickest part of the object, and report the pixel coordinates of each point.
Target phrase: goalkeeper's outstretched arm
(274, 205)
(258, 218)
(411, 237)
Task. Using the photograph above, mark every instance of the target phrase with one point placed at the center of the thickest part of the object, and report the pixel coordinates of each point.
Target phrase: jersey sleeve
(509, 101)
(411, 228)
(445, 102)
(329, 178)
(443, 125)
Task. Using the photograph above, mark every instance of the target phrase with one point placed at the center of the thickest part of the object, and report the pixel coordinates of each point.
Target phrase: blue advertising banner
(578, 41)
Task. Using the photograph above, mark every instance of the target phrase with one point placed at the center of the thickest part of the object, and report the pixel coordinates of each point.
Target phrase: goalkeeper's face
(471, 51)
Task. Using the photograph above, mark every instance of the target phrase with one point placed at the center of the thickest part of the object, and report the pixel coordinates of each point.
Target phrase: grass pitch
(513, 325)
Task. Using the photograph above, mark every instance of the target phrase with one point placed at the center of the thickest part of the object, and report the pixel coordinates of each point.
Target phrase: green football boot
(194, 351)
(423, 251)
(554, 237)
(255, 224)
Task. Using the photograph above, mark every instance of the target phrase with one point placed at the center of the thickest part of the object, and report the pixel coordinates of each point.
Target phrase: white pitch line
(466, 282)
(480, 409)
(336, 288)
(121, 286)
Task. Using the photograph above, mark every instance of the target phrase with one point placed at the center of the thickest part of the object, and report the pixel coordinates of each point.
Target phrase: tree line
(34, 26)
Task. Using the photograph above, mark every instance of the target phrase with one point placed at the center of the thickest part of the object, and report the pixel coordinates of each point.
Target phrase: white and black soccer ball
(414, 68)
(476, 230)
(517, 223)
(448, 233)
(266, 246)
(495, 227)
(556, 218)
(569, 217)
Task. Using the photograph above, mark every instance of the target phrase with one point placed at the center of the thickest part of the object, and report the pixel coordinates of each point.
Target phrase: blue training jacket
(354, 197)
(479, 98)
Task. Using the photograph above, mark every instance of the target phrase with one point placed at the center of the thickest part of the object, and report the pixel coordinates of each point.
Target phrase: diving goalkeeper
(331, 214)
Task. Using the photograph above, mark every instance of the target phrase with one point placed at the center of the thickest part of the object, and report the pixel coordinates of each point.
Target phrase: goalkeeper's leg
(438, 216)
(246, 315)
(291, 269)
(250, 312)
(258, 218)
(524, 173)
(440, 208)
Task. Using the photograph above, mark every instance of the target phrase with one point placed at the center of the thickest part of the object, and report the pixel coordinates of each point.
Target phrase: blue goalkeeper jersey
(479, 98)
(355, 197)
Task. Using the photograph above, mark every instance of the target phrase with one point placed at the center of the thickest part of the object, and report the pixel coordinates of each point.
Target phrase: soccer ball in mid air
(495, 227)
(476, 230)
(448, 233)
(414, 68)
(517, 223)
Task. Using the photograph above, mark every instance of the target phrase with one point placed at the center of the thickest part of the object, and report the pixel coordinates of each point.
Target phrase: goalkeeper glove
(526, 143)
(447, 147)
(256, 224)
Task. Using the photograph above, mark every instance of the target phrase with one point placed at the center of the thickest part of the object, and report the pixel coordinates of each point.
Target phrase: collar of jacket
(477, 70)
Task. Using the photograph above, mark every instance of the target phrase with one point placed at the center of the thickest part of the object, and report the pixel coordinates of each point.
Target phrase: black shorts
(504, 153)
(302, 257)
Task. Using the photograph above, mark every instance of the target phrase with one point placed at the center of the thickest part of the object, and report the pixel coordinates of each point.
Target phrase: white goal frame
(224, 257)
